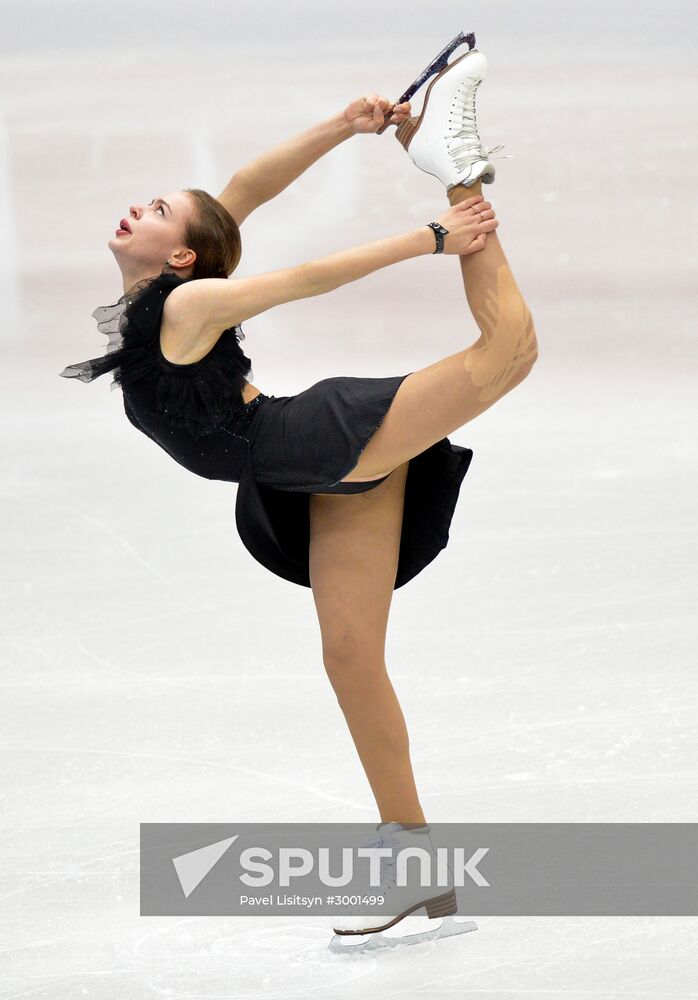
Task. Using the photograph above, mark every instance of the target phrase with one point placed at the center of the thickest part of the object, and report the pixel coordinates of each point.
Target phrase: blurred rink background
(153, 671)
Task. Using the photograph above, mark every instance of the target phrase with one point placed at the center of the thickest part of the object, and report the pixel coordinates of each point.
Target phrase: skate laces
(465, 145)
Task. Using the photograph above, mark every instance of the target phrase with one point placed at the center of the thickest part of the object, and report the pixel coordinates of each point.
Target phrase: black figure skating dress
(279, 449)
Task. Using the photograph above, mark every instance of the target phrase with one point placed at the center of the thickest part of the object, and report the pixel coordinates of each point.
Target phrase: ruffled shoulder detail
(202, 396)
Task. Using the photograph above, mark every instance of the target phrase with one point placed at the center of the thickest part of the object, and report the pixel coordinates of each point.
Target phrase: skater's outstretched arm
(269, 174)
(198, 311)
(239, 200)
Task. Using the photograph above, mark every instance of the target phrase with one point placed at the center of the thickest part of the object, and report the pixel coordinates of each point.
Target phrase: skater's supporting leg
(354, 548)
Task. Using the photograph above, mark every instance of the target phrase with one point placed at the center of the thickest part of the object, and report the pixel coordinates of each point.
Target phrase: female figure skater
(349, 486)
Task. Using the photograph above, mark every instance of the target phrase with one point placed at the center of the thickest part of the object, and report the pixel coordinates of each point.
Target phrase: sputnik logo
(193, 867)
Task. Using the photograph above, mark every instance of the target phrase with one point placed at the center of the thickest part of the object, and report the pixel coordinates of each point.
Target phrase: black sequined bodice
(195, 412)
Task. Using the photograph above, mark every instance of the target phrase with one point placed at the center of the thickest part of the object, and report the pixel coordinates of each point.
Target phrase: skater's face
(154, 233)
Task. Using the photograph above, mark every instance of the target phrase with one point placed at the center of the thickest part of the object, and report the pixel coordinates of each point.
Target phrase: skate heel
(442, 906)
(435, 66)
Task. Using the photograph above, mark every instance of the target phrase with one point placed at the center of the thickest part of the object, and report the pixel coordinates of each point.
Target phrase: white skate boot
(443, 140)
(355, 932)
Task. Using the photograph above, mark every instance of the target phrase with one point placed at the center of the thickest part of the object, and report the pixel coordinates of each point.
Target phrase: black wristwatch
(439, 232)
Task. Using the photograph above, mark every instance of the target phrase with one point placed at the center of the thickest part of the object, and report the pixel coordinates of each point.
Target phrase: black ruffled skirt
(307, 443)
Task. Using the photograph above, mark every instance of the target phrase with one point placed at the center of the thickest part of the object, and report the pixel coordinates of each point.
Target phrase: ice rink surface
(545, 662)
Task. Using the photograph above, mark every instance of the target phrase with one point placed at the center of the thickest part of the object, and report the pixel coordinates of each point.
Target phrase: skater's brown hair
(213, 234)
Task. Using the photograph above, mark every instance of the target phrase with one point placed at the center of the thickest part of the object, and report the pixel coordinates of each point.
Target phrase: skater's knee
(352, 666)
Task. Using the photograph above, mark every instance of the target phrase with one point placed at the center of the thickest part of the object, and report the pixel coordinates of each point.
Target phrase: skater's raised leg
(508, 341)
(435, 401)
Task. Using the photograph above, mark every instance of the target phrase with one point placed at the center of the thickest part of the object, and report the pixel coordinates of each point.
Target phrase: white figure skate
(357, 933)
(443, 140)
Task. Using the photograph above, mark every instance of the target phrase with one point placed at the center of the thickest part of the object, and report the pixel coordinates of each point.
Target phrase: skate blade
(354, 944)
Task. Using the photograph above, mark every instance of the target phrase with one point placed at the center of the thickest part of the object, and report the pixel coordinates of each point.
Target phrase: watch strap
(439, 233)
